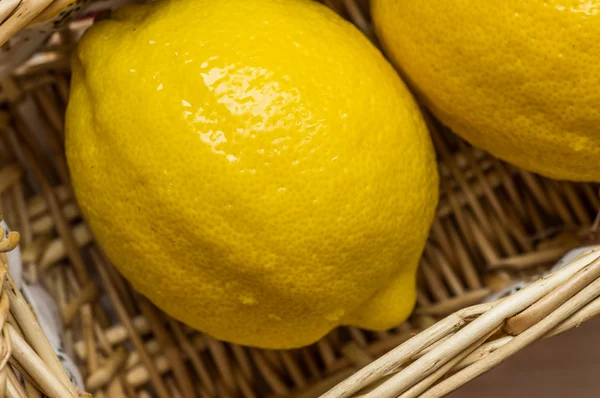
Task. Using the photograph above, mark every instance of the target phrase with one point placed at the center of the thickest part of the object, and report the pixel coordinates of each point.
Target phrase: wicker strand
(7, 8)
(538, 311)
(397, 357)
(476, 329)
(32, 330)
(519, 342)
(20, 17)
(424, 384)
(36, 367)
(491, 317)
(153, 371)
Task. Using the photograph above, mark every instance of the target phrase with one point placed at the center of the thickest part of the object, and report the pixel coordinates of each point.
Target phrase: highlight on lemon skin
(515, 78)
(271, 182)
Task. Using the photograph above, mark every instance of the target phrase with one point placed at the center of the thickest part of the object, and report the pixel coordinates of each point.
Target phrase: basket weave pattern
(34, 367)
(496, 225)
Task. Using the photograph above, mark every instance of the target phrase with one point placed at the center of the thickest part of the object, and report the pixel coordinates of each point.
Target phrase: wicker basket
(496, 226)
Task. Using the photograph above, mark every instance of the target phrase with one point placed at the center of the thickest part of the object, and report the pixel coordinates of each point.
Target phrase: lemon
(254, 167)
(516, 78)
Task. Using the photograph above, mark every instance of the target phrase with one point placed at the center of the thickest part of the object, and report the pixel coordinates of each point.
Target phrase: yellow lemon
(254, 167)
(517, 78)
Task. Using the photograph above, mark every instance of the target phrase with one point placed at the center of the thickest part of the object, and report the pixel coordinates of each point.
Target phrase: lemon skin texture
(517, 78)
(254, 167)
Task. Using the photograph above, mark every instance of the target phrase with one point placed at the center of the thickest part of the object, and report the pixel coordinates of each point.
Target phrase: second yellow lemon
(254, 167)
(518, 78)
